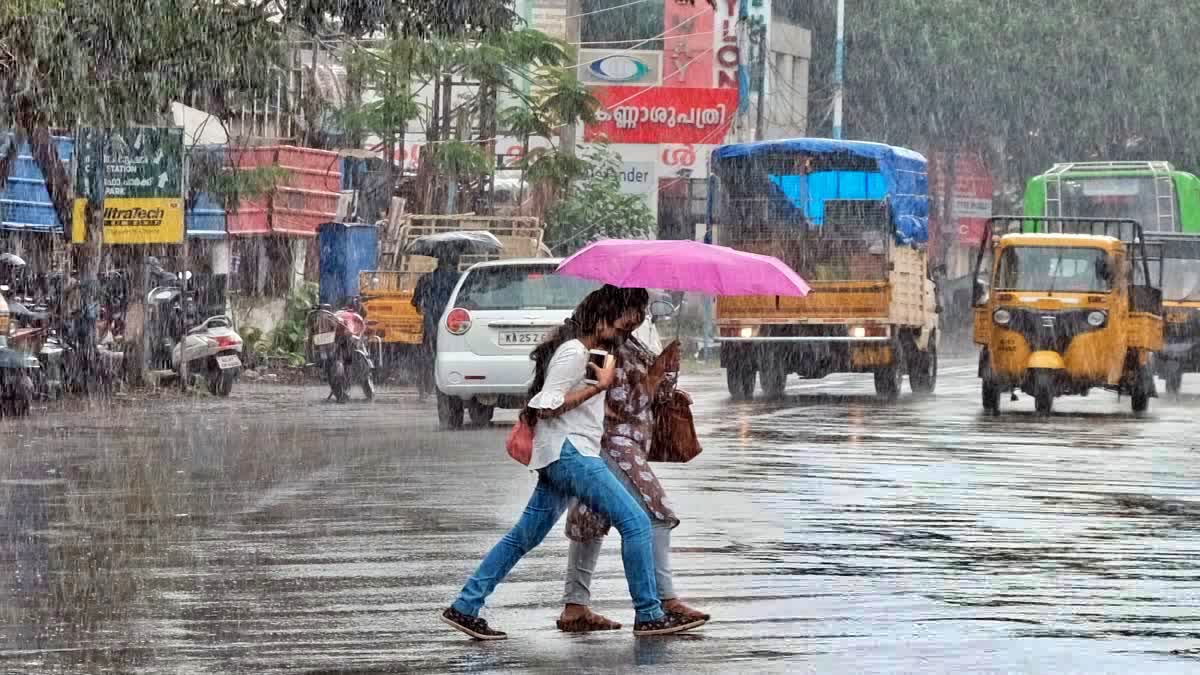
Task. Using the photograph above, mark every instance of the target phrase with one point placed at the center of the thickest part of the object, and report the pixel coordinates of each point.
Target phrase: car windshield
(521, 287)
(1052, 268)
(1181, 279)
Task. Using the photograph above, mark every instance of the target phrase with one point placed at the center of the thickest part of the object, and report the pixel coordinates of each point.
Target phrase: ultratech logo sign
(135, 217)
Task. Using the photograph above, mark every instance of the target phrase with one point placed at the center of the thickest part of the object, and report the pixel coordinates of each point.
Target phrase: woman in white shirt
(567, 412)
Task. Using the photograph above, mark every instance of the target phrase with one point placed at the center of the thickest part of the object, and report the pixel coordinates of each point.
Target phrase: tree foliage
(1101, 79)
(596, 208)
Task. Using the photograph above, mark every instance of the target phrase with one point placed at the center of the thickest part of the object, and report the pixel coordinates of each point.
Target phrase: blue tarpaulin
(901, 178)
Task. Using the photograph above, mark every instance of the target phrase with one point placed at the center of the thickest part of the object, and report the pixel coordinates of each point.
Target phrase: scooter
(212, 349)
(337, 345)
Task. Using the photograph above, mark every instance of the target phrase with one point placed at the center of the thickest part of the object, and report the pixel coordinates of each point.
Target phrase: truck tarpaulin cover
(906, 181)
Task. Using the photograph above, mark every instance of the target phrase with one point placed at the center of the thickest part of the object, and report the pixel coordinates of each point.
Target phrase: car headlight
(1096, 319)
(1002, 317)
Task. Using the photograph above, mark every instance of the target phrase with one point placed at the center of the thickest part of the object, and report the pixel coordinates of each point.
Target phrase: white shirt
(583, 426)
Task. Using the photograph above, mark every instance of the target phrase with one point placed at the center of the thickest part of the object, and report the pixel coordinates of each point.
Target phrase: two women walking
(574, 440)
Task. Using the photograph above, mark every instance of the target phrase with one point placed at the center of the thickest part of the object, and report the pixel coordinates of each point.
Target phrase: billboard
(727, 53)
(687, 45)
(972, 202)
(662, 115)
(611, 66)
(143, 185)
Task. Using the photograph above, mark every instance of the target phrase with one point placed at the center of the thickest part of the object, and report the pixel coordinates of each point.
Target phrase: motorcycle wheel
(220, 383)
(337, 379)
(368, 387)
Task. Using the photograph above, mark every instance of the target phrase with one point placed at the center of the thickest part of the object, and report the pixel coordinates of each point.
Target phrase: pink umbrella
(683, 266)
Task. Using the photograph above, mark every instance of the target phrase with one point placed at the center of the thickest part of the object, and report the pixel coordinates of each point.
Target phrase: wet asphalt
(828, 532)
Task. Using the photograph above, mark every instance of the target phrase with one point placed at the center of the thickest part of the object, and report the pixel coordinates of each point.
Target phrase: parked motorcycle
(16, 371)
(337, 345)
(212, 349)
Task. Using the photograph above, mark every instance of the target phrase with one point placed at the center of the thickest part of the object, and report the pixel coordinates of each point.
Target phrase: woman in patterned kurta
(641, 380)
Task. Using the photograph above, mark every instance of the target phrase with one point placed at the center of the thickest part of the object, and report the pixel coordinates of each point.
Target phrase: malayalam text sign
(662, 115)
(143, 184)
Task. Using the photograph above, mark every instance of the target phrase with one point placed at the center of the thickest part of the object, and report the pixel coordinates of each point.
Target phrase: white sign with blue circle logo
(610, 66)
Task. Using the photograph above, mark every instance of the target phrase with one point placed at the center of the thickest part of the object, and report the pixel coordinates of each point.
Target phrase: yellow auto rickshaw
(1181, 307)
(1063, 305)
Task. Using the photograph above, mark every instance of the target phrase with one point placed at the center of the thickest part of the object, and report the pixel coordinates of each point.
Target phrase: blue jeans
(589, 480)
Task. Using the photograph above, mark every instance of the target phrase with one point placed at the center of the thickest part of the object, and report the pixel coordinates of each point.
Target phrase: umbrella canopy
(451, 243)
(683, 266)
(11, 259)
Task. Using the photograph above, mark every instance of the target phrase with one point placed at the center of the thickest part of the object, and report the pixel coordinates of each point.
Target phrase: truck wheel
(1043, 393)
(481, 415)
(922, 374)
(773, 376)
(740, 380)
(450, 411)
(888, 381)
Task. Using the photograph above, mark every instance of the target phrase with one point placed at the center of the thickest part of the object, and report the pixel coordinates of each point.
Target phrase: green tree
(596, 208)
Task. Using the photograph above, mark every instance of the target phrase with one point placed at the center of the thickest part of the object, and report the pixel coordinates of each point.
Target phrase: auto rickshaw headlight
(1096, 319)
(1002, 317)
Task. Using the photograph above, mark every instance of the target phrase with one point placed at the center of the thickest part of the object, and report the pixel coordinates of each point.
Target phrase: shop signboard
(611, 66)
(143, 185)
(662, 115)
(728, 53)
(687, 44)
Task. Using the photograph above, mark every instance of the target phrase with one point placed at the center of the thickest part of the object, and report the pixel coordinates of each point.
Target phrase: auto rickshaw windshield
(1181, 280)
(1053, 268)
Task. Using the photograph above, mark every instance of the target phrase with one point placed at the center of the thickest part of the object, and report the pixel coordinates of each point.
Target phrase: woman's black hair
(604, 305)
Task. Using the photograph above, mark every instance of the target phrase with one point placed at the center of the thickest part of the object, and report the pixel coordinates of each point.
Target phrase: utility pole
(760, 38)
(838, 59)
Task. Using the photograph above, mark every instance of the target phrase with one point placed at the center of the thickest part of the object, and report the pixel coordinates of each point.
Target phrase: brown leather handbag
(674, 431)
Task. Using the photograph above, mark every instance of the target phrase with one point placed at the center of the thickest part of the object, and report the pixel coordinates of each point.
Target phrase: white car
(498, 313)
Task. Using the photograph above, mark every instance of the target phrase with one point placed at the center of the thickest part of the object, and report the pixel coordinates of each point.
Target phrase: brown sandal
(588, 623)
(677, 607)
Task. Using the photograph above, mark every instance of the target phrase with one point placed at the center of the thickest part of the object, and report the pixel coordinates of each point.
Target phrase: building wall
(789, 54)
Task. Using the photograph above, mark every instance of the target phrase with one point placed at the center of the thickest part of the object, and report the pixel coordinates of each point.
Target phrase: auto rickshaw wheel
(1143, 387)
(1043, 392)
(1173, 373)
(991, 396)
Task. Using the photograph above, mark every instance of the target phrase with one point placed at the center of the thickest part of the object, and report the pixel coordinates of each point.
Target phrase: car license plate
(519, 338)
(227, 362)
(321, 339)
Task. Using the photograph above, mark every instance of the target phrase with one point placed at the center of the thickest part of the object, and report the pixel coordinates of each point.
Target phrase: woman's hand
(667, 361)
(604, 376)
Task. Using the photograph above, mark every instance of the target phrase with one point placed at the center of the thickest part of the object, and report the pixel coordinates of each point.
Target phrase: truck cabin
(829, 209)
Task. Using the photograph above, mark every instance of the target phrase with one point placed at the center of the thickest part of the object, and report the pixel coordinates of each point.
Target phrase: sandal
(588, 623)
(677, 607)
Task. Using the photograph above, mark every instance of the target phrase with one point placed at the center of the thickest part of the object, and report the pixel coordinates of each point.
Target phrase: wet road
(826, 533)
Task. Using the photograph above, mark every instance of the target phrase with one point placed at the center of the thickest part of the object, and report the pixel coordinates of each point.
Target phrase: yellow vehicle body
(387, 293)
(885, 326)
(1101, 331)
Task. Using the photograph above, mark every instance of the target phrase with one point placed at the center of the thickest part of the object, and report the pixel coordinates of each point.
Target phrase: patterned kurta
(628, 431)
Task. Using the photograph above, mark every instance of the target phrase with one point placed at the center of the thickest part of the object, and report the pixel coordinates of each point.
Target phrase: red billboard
(687, 44)
(662, 115)
(972, 195)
